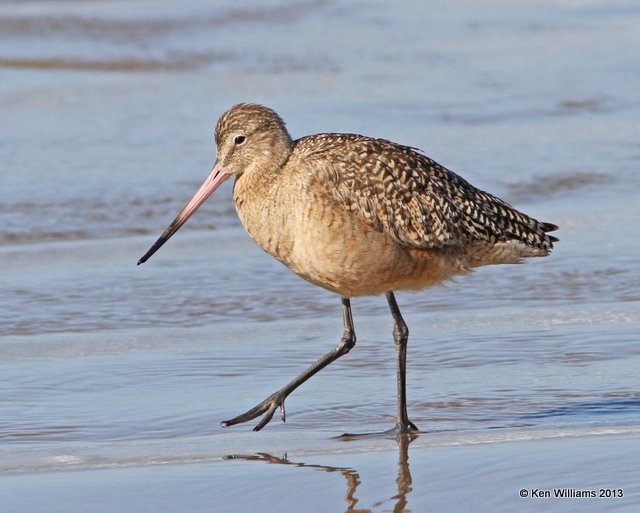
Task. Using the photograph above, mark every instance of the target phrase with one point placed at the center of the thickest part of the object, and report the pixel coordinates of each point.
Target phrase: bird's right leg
(276, 400)
(400, 337)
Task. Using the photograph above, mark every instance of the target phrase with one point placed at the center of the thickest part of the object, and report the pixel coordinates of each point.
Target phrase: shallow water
(115, 377)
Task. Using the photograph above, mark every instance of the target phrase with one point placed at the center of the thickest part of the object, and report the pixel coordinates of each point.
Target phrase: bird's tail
(549, 227)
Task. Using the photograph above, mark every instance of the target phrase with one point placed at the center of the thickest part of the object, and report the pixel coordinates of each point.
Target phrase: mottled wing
(421, 204)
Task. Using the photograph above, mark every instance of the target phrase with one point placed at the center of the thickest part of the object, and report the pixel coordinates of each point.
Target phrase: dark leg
(276, 400)
(400, 337)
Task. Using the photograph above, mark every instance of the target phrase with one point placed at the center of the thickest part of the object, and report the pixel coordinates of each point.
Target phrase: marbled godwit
(357, 216)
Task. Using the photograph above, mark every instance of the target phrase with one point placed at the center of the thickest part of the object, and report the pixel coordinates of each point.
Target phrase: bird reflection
(352, 478)
(403, 480)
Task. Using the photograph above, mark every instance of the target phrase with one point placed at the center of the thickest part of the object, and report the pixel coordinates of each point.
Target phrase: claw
(409, 427)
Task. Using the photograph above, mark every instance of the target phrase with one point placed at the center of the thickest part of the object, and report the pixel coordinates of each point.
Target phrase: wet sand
(500, 471)
(506, 403)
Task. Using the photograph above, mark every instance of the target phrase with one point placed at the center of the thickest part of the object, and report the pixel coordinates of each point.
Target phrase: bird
(358, 216)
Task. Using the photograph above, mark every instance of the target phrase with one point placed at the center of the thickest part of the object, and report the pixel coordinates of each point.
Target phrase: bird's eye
(239, 139)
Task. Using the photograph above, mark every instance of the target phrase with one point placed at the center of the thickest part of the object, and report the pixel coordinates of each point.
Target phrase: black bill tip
(156, 246)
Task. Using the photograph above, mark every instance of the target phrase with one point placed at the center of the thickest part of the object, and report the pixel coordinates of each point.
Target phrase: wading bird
(357, 216)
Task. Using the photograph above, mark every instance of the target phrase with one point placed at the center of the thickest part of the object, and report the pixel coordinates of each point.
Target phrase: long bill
(213, 181)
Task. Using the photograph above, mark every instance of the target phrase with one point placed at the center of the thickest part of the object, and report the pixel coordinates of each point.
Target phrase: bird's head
(249, 138)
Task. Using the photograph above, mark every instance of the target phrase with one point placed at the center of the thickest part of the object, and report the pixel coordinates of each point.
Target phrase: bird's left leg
(400, 337)
(276, 400)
